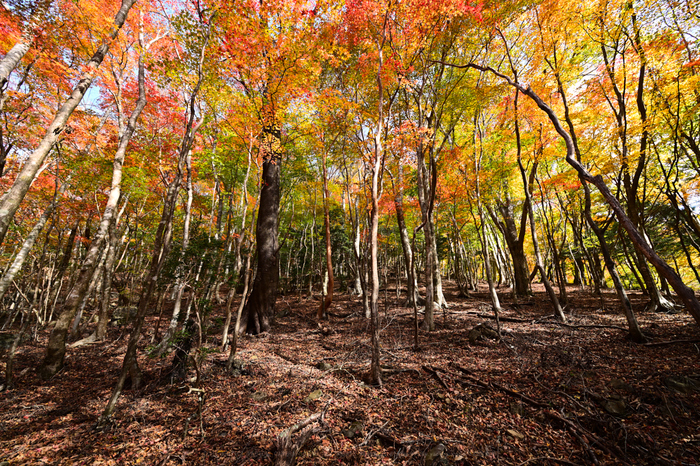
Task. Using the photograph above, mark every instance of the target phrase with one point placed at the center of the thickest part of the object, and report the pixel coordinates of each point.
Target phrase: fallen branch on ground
(287, 447)
(502, 318)
(435, 374)
(576, 327)
(582, 435)
(671, 342)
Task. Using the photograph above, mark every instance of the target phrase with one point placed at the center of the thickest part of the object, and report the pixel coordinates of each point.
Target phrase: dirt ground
(546, 394)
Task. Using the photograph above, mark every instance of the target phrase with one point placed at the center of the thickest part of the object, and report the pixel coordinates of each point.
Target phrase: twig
(671, 342)
(547, 458)
(576, 327)
(584, 443)
(372, 433)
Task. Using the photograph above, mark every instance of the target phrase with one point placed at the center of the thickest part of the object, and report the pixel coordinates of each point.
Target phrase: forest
(434, 232)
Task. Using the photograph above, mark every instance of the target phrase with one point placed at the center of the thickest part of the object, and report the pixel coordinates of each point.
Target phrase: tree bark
(56, 347)
(515, 240)
(425, 199)
(635, 332)
(558, 311)
(685, 293)
(495, 302)
(328, 300)
(181, 274)
(12, 58)
(10, 201)
(101, 329)
(412, 283)
(258, 312)
(162, 242)
(29, 242)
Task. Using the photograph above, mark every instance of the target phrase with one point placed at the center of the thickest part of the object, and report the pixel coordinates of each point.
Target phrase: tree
(272, 46)
(10, 201)
(200, 20)
(55, 349)
(686, 294)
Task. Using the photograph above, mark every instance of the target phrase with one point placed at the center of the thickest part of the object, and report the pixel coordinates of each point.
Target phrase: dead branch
(613, 450)
(435, 374)
(501, 318)
(287, 447)
(576, 327)
(671, 342)
(507, 390)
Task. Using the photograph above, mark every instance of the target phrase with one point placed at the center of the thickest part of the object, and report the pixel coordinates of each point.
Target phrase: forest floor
(545, 394)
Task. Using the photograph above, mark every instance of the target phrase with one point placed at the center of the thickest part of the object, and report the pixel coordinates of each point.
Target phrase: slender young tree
(10, 201)
(56, 347)
(328, 300)
(558, 311)
(685, 293)
(478, 156)
(14, 56)
(163, 239)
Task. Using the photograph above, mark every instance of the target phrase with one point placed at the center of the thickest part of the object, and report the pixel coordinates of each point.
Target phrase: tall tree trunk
(162, 242)
(425, 199)
(461, 262)
(12, 58)
(478, 155)
(412, 283)
(375, 370)
(10, 201)
(161, 250)
(558, 311)
(495, 302)
(29, 242)
(181, 273)
(56, 347)
(685, 293)
(246, 284)
(440, 300)
(326, 304)
(551, 241)
(101, 329)
(359, 287)
(237, 327)
(258, 312)
(635, 332)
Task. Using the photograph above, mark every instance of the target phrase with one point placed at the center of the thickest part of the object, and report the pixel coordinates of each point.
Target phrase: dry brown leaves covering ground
(547, 394)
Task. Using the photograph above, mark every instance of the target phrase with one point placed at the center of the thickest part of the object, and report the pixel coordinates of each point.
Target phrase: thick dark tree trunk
(515, 241)
(258, 312)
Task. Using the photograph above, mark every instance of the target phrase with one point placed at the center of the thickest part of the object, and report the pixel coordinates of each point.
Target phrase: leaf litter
(546, 394)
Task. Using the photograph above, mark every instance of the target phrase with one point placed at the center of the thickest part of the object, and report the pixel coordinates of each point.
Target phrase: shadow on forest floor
(547, 394)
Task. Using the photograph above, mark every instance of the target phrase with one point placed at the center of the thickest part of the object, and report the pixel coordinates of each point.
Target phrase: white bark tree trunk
(10, 201)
